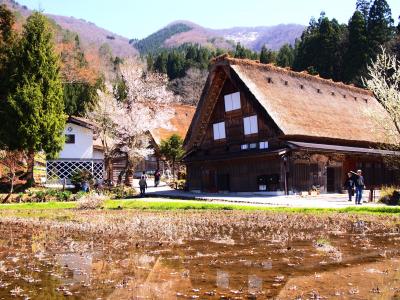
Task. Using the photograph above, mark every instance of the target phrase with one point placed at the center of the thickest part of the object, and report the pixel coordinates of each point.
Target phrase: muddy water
(40, 263)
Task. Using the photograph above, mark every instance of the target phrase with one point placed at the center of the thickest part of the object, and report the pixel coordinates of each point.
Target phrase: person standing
(143, 184)
(349, 185)
(157, 177)
(360, 185)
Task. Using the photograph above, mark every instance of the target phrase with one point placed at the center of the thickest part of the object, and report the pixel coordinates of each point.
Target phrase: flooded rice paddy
(198, 255)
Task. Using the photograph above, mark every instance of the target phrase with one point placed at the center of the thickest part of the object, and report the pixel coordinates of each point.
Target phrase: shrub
(91, 201)
(122, 192)
(390, 195)
(80, 176)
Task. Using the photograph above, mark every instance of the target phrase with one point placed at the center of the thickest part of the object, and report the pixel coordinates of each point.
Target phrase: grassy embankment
(161, 205)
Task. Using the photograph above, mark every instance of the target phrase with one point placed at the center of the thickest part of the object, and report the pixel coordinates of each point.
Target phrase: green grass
(160, 205)
(38, 206)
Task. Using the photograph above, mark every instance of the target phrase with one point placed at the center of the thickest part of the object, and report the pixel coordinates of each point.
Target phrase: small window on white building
(264, 145)
(219, 131)
(70, 138)
(253, 145)
(244, 146)
(250, 125)
(232, 101)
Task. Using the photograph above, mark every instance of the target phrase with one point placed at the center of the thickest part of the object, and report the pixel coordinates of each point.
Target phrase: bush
(178, 184)
(91, 201)
(390, 195)
(122, 192)
(45, 195)
(81, 176)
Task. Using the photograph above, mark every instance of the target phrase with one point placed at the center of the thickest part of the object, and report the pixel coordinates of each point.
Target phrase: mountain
(89, 33)
(254, 38)
(172, 35)
(181, 32)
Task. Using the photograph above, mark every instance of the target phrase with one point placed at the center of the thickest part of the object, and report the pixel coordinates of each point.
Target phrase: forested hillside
(89, 34)
(156, 41)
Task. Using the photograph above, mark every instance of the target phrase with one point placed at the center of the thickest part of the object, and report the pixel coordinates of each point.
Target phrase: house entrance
(330, 180)
(223, 182)
(209, 180)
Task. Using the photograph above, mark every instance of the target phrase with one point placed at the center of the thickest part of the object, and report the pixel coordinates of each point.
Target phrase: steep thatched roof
(180, 123)
(302, 105)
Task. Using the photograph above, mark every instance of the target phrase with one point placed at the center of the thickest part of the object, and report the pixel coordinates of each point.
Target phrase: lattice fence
(58, 170)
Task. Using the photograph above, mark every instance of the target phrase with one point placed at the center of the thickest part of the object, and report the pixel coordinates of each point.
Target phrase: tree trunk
(30, 180)
(11, 187)
(129, 171)
(108, 166)
(173, 169)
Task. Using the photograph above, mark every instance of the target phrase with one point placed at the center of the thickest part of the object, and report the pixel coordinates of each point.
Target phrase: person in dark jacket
(157, 177)
(360, 185)
(349, 185)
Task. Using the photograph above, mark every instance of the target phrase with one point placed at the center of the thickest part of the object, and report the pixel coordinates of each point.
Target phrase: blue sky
(137, 19)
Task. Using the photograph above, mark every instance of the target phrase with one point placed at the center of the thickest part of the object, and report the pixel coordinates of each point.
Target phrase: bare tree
(12, 161)
(384, 81)
(105, 115)
(190, 87)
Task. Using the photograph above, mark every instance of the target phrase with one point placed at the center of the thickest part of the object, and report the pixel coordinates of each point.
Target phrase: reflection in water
(36, 264)
(222, 279)
(255, 284)
(80, 264)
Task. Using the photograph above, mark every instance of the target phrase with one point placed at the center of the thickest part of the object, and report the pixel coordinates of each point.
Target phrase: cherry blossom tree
(125, 124)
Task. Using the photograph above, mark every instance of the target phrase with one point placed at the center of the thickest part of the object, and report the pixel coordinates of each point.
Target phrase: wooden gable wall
(234, 127)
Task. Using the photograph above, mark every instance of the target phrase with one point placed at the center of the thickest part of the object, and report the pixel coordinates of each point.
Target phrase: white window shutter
(228, 102)
(236, 100)
(216, 131)
(219, 131)
(246, 123)
(222, 134)
(254, 124)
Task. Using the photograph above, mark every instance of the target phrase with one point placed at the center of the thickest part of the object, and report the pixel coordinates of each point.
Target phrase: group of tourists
(355, 185)
(143, 181)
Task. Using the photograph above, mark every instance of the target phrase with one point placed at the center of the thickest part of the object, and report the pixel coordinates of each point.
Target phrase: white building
(80, 152)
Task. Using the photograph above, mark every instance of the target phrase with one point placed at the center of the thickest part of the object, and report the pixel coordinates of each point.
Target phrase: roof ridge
(303, 74)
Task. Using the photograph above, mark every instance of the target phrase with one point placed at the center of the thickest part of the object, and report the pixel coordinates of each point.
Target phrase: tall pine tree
(321, 48)
(285, 57)
(35, 101)
(356, 57)
(7, 46)
(363, 7)
(380, 26)
(267, 56)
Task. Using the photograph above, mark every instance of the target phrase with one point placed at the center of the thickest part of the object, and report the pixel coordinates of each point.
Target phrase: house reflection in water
(222, 279)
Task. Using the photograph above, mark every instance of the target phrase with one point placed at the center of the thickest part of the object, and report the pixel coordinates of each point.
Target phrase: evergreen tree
(398, 27)
(380, 26)
(172, 150)
(243, 52)
(80, 93)
(150, 62)
(175, 65)
(356, 57)
(160, 64)
(35, 115)
(363, 7)
(321, 48)
(267, 56)
(285, 57)
(7, 46)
